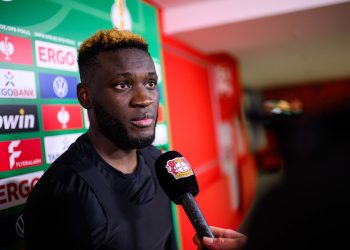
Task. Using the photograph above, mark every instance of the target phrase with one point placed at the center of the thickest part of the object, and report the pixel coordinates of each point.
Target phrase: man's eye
(151, 84)
(122, 86)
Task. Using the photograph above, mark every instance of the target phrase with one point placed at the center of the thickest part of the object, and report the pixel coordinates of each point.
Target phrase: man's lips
(142, 122)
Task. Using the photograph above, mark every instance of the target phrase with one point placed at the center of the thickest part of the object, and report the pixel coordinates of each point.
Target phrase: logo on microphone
(179, 168)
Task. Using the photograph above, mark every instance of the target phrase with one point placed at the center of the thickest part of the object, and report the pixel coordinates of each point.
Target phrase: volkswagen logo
(20, 226)
(60, 86)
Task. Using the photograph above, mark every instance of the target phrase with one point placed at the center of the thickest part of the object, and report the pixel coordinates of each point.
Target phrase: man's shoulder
(58, 179)
(61, 174)
(61, 186)
(65, 165)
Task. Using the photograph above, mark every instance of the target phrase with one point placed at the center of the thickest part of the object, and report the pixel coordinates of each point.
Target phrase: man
(102, 192)
(309, 207)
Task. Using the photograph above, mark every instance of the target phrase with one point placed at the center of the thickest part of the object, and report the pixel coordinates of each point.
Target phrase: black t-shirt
(82, 202)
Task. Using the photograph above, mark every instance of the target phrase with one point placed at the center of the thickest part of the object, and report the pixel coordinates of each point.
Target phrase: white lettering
(29, 121)
(17, 84)
(14, 29)
(15, 190)
(55, 56)
(17, 121)
(10, 122)
(17, 93)
(55, 38)
(26, 163)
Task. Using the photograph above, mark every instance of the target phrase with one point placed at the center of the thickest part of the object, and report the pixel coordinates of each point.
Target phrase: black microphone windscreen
(175, 176)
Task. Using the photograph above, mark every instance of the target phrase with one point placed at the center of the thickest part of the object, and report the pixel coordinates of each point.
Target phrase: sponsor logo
(55, 56)
(58, 117)
(57, 86)
(56, 145)
(14, 191)
(7, 48)
(17, 154)
(13, 152)
(60, 86)
(11, 228)
(18, 118)
(179, 168)
(17, 84)
(14, 49)
(20, 226)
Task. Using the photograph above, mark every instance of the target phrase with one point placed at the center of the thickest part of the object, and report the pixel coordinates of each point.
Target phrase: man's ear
(83, 95)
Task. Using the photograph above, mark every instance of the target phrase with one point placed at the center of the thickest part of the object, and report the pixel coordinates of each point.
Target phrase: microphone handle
(195, 215)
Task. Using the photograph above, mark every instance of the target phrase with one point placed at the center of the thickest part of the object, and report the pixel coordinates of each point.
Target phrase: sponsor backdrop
(39, 114)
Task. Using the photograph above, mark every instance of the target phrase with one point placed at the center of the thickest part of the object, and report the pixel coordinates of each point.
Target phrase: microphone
(179, 182)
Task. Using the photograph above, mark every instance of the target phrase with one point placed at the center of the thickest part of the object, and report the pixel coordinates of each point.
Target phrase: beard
(117, 133)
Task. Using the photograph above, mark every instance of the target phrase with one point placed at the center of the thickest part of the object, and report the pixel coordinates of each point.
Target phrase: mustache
(143, 117)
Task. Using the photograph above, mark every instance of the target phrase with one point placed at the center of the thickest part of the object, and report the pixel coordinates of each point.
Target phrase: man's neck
(124, 161)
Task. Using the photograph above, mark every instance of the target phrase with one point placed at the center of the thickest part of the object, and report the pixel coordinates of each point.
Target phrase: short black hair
(106, 40)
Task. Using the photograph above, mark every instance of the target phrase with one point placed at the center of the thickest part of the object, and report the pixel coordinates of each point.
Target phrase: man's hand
(225, 239)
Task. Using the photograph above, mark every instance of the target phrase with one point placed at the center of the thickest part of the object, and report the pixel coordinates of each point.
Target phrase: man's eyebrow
(152, 73)
(124, 74)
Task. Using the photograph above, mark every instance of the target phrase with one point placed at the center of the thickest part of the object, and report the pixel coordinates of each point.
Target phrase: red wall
(194, 118)
(195, 113)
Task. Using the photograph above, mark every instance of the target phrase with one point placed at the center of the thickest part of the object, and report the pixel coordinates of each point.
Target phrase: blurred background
(252, 93)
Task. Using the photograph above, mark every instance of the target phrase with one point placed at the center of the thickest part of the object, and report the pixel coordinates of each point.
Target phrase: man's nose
(141, 96)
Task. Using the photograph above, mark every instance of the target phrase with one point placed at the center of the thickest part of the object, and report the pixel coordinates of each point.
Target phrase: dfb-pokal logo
(58, 117)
